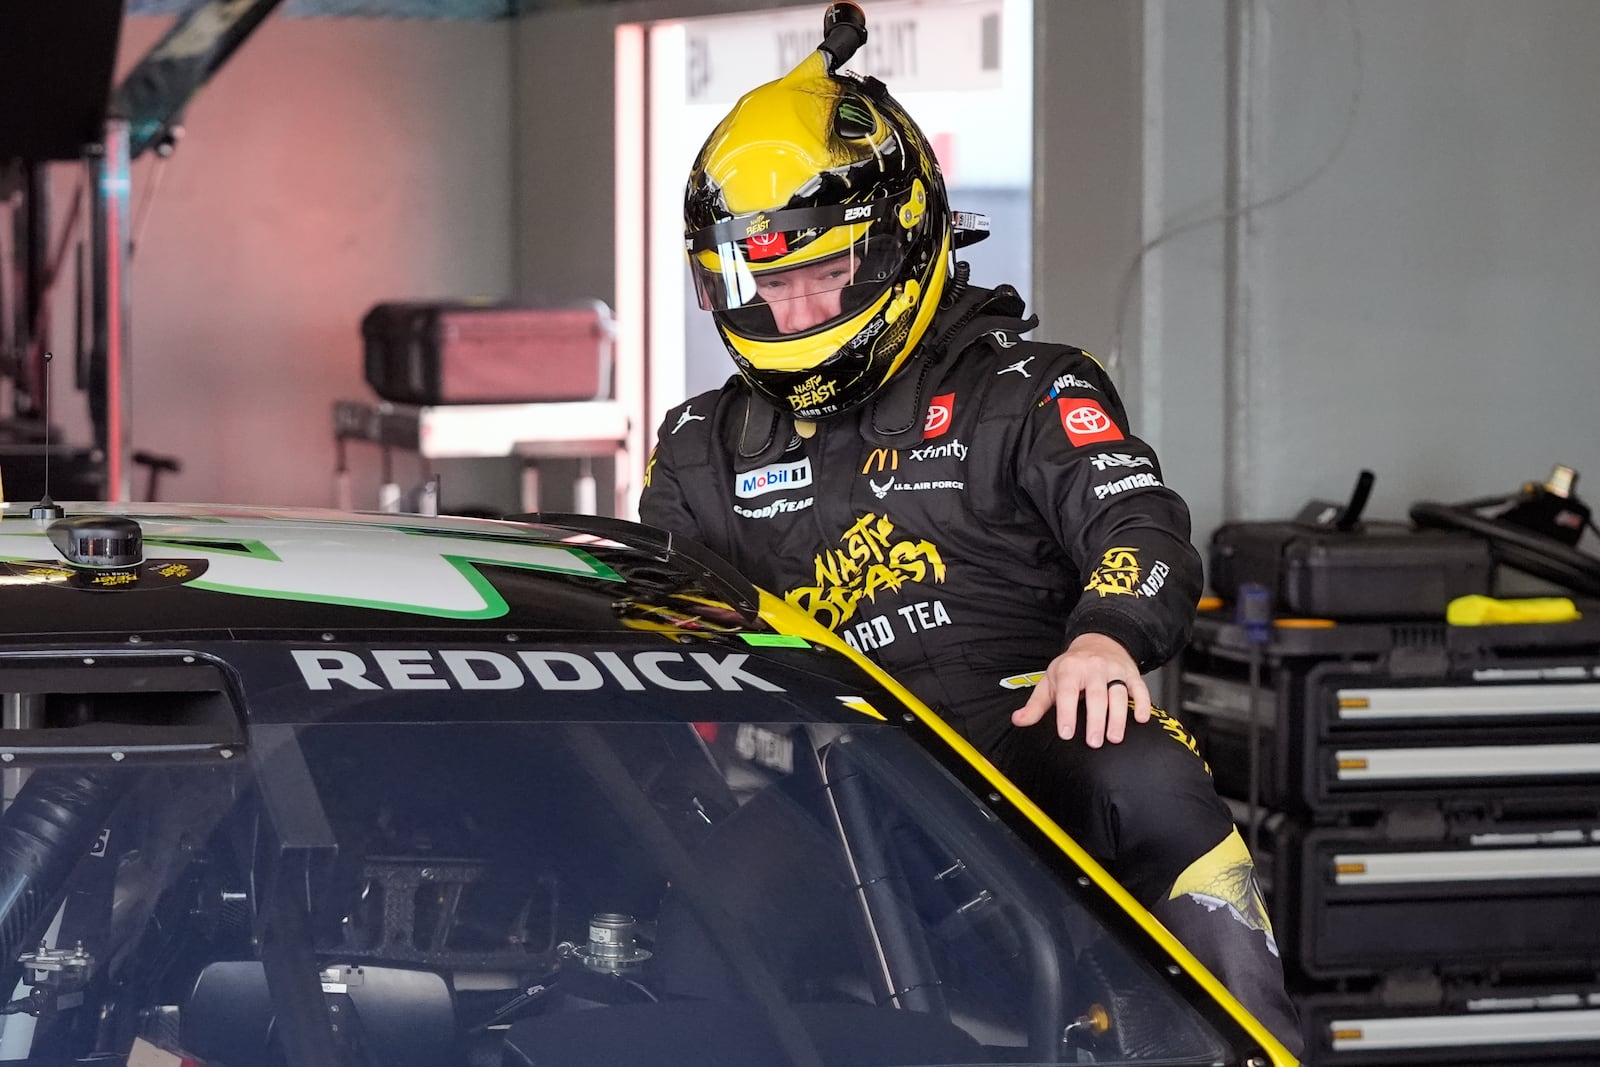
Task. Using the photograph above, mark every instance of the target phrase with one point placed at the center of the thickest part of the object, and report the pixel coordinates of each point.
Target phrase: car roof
(204, 569)
(328, 602)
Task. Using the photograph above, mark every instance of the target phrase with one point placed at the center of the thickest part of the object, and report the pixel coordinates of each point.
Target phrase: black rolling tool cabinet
(1426, 823)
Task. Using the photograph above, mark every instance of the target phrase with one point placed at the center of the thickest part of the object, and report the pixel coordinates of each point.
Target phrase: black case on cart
(1374, 570)
(437, 353)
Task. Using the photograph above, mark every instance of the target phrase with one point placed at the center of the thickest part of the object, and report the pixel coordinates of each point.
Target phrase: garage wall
(332, 164)
(1425, 307)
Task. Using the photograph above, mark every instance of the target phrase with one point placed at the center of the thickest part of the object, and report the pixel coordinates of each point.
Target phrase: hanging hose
(44, 833)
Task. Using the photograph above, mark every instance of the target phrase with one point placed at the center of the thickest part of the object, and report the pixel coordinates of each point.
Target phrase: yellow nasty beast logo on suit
(871, 559)
(1117, 575)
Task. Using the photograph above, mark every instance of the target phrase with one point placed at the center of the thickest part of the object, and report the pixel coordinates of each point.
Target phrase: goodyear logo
(811, 392)
(771, 479)
(1117, 574)
(871, 558)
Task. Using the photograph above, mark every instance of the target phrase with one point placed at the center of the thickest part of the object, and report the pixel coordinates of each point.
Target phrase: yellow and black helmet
(819, 237)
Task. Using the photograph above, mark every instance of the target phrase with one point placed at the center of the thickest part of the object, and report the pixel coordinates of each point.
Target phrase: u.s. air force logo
(871, 559)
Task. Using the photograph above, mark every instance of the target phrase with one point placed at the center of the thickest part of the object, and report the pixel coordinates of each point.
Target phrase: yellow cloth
(1487, 611)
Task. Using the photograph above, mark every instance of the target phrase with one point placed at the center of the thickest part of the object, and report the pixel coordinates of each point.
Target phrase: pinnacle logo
(1122, 485)
(871, 560)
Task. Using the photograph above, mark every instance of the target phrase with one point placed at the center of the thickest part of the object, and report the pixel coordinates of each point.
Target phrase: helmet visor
(779, 283)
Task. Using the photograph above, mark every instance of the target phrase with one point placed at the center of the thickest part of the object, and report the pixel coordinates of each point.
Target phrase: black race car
(360, 791)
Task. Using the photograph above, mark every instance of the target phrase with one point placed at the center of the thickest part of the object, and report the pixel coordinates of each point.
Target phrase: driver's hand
(1102, 672)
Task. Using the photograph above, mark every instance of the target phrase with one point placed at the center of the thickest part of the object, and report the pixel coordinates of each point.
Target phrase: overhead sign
(911, 46)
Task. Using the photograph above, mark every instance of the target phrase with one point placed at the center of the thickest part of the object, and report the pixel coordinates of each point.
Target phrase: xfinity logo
(418, 668)
(777, 507)
(795, 475)
(1122, 485)
(954, 449)
(1119, 459)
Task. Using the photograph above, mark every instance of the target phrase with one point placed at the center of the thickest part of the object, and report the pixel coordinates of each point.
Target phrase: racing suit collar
(759, 431)
(898, 413)
(895, 418)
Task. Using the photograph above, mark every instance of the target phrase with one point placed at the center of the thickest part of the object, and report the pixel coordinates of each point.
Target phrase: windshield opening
(611, 893)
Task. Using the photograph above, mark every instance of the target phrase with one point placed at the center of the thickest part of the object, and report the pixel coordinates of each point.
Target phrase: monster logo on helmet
(818, 232)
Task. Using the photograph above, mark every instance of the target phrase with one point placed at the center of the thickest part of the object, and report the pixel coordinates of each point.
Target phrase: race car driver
(966, 506)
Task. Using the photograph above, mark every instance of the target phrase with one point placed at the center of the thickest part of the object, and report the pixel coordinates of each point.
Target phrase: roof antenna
(46, 508)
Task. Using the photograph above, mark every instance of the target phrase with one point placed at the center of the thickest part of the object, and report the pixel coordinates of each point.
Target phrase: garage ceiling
(479, 10)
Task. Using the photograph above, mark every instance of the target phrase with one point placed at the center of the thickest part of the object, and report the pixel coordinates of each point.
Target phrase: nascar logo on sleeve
(1086, 422)
(1062, 384)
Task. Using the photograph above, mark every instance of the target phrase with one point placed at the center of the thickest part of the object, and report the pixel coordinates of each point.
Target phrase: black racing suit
(985, 508)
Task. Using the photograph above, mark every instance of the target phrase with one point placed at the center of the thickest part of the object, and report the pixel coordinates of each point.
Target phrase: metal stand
(110, 370)
(529, 432)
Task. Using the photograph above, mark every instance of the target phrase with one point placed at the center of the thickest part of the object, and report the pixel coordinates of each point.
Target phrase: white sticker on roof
(369, 566)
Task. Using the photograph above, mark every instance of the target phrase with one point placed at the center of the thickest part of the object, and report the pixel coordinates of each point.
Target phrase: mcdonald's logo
(880, 460)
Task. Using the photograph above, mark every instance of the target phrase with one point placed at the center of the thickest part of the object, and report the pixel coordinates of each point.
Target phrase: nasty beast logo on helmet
(1086, 421)
(940, 412)
(811, 392)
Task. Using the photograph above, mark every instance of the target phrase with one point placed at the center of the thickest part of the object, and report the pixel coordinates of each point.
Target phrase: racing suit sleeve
(1100, 490)
(663, 501)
